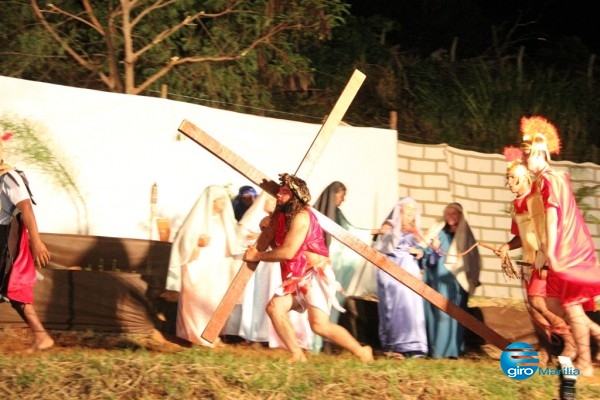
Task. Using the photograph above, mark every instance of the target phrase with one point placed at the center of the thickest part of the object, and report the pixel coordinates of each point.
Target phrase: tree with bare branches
(131, 45)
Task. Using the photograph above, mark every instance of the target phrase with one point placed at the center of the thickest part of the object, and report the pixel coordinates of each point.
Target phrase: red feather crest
(512, 153)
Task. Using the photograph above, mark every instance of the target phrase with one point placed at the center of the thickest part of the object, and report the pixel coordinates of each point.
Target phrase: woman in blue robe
(454, 274)
(402, 331)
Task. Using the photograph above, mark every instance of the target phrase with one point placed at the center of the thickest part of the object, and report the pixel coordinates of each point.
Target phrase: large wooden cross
(238, 285)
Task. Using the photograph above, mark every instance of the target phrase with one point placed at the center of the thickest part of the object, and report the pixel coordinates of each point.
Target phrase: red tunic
(577, 269)
(23, 276)
(314, 242)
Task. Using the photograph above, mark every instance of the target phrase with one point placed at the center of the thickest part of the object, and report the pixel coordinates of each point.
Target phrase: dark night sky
(434, 22)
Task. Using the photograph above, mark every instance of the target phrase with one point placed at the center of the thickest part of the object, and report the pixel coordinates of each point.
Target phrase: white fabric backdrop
(116, 146)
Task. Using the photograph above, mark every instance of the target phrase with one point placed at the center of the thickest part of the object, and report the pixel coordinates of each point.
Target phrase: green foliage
(359, 44)
(233, 53)
(475, 102)
(581, 194)
(27, 52)
(478, 105)
(30, 142)
(248, 83)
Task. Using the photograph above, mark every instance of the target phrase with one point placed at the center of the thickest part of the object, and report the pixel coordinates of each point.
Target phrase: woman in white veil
(202, 264)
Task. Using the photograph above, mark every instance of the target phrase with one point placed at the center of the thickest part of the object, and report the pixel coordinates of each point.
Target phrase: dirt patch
(17, 340)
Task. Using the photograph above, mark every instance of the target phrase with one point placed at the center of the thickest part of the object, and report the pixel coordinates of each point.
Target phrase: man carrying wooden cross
(309, 283)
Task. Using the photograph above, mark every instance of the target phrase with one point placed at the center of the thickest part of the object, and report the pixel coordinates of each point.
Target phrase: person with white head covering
(255, 324)
(452, 265)
(202, 264)
(401, 312)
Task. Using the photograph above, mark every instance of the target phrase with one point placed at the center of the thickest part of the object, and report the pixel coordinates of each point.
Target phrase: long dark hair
(290, 209)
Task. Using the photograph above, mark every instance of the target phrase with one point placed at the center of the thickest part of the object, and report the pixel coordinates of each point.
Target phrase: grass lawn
(88, 365)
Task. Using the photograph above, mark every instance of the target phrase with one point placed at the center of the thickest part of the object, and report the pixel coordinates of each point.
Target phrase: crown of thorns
(297, 186)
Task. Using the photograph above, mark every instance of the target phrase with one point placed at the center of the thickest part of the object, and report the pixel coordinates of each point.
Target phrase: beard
(284, 208)
(290, 209)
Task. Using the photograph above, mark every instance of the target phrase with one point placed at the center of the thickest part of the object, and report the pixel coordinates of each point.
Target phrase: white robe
(203, 280)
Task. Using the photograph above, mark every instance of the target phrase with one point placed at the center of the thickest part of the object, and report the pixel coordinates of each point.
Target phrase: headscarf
(388, 242)
(325, 204)
(465, 268)
(239, 207)
(247, 190)
(198, 222)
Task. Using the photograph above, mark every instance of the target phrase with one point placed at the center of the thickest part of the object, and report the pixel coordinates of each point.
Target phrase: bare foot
(394, 355)
(42, 344)
(365, 354)
(297, 357)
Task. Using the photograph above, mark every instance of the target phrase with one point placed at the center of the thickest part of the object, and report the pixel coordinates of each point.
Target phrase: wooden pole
(520, 62)
(394, 120)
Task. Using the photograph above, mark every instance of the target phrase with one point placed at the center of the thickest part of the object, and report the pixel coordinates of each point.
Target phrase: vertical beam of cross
(367, 252)
(331, 122)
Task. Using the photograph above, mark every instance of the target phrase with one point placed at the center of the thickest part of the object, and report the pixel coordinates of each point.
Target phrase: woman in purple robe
(402, 331)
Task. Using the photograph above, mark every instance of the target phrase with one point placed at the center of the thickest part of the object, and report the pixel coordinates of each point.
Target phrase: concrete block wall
(436, 175)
